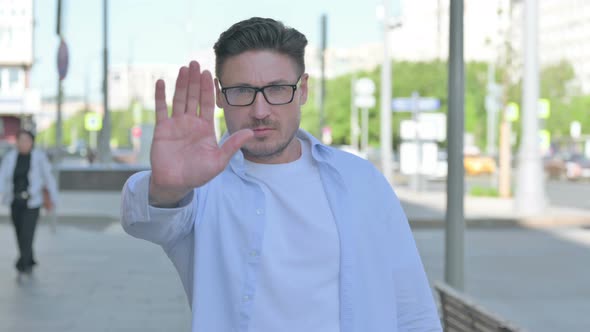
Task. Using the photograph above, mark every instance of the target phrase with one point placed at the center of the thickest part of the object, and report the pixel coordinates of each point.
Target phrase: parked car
(479, 164)
(554, 166)
(571, 166)
(577, 167)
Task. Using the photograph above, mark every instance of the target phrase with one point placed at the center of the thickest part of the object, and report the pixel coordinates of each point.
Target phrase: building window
(6, 36)
(13, 77)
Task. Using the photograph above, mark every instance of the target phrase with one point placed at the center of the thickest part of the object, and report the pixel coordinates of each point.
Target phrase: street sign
(364, 89)
(575, 129)
(422, 104)
(62, 59)
(421, 159)
(544, 140)
(512, 112)
(430, 127)
(92, 122)
(136, 131)
(544, 108)
(364, 101)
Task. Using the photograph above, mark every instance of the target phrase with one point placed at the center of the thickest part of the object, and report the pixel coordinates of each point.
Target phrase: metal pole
(505, 174)
(354, 118)
(104, 149)
(416, 186)
(59, 101)
(59, 122)
(324, 27)
(491, 110)
(455, 223)
(386, 84)
(365, 136)
(530, 193)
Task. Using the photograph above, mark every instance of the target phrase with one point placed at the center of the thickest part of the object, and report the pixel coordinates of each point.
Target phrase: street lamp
(530, 192)
(386, 84)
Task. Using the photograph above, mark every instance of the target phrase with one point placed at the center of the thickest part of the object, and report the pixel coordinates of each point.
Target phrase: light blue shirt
(213, 239)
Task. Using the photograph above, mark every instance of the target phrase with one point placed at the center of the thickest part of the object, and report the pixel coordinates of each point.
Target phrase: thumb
(234, 143)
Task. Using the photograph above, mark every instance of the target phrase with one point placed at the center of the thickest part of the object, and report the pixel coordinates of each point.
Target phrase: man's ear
(218, 95)
(303, 89)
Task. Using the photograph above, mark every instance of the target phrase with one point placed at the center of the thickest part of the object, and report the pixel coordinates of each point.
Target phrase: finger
(194, 89)
(207, 96)
(179, 101)
(234, 143)
(161, 107)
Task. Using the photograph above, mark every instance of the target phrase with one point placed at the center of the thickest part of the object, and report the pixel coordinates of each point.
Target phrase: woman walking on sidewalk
(26, 183)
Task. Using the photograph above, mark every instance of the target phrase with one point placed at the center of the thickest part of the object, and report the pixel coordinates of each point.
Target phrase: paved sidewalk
(91, 281)
(427, 209)
(95, 280)
(424, 209)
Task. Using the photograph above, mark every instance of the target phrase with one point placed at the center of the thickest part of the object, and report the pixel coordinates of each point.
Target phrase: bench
(460, 314)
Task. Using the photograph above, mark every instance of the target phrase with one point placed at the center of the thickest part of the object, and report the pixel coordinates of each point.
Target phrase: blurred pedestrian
(272, 230)
(26, 184)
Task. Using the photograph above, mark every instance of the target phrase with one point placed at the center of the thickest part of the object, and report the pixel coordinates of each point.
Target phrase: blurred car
(577, 167)
(554, 166)
(479, 164)
(570, 166)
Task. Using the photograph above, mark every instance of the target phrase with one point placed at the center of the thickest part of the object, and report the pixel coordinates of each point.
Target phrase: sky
(155, 31)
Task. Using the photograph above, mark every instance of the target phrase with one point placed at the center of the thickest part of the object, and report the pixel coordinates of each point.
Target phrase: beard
(265, 148)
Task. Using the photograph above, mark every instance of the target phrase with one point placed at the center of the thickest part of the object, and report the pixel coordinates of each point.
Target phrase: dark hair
(259, 33)
(26, 132)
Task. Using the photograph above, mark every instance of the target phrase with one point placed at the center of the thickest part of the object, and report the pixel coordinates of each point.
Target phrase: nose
(260, 107)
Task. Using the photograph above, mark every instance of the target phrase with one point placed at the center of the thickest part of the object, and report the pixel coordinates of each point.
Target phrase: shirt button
(246, 298)
(259, 211)
(254, 253)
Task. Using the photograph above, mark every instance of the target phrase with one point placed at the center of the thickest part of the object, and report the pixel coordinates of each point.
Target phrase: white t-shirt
(298, 283)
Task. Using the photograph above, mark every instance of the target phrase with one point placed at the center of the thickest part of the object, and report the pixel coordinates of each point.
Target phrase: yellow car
(477, 165)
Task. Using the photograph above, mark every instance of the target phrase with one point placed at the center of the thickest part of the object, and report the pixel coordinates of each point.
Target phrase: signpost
(411, 151)
(62, 70)
(62, 59)
(93, 123)
(364, 98)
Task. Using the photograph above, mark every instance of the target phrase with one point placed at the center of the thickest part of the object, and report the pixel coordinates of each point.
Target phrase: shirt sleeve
(162, 226)
(415, 302)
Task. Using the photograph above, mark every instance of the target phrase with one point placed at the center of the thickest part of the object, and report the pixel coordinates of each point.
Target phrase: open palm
(184, 152)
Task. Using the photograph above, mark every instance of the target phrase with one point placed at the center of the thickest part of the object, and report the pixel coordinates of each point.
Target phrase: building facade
(18, 102)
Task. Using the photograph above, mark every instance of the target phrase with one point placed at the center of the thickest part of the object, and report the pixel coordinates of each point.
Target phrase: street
(575, 194)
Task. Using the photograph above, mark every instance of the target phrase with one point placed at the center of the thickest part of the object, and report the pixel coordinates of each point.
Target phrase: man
(272, 231)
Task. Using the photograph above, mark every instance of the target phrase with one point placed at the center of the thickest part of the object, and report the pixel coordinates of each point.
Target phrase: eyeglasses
(275, 94)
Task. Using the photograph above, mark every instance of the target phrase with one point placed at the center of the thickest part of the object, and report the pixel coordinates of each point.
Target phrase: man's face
(24, 143)
(274, 126)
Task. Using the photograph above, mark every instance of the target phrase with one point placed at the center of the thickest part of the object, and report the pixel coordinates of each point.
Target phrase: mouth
(262, 131)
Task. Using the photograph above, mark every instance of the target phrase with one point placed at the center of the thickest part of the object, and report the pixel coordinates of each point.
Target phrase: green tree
(426, 78)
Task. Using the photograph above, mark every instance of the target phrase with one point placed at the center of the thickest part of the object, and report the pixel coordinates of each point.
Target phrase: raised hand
(184, 153)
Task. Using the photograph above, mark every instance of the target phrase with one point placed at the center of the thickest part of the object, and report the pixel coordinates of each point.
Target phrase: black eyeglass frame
(261, 90)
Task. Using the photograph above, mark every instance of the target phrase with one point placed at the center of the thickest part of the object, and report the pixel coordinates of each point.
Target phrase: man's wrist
(165, 198)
